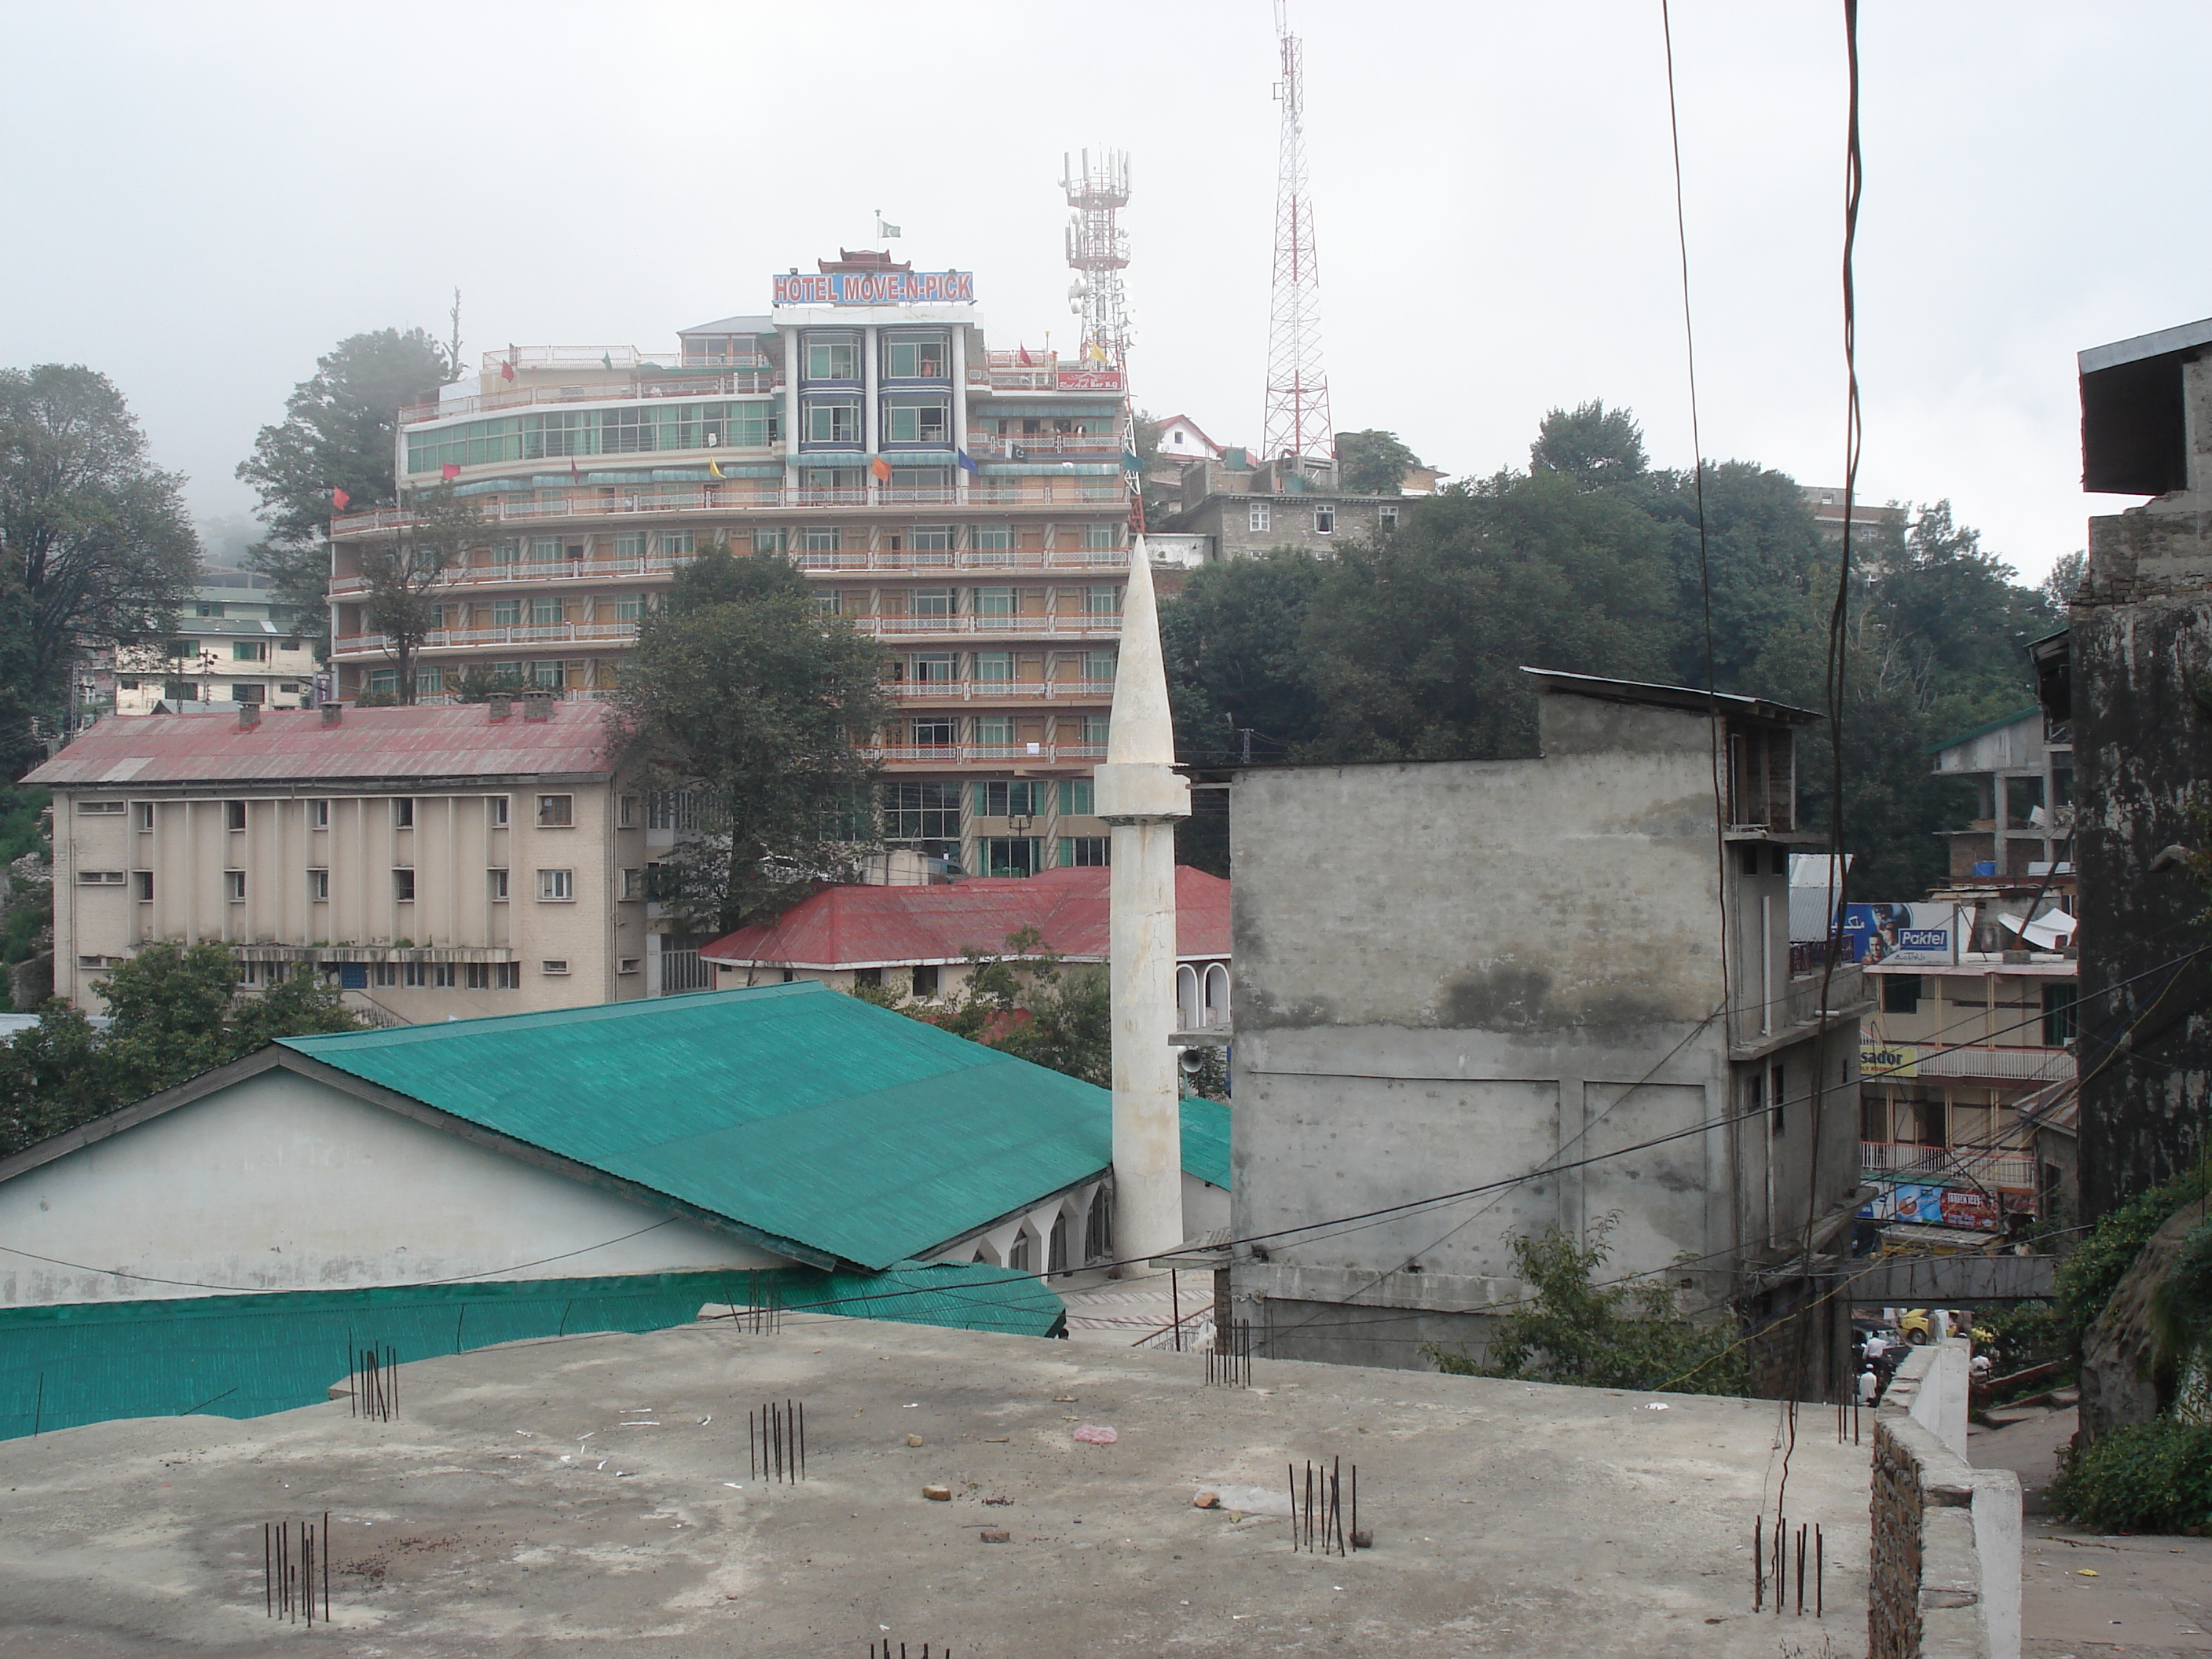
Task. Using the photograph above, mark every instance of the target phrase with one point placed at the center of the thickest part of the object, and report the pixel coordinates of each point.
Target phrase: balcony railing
(349, 645)
(998, 690)
(964, 754)
(1024, 446)
(1012, 627)
(1902, 1160)
(1994, 1062)
(696, 384)
(605, 503)
(902, 561)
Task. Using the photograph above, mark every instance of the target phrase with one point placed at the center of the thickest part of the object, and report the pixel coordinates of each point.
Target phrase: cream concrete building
(434, 863)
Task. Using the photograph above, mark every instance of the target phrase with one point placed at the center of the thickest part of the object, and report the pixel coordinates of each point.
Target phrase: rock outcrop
(2117, 1386)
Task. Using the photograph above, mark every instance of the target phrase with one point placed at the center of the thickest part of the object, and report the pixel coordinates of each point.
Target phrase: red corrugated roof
(890, 926)
(461, 740)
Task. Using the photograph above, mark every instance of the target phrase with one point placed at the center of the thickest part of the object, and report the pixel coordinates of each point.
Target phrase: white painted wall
(280, 1183)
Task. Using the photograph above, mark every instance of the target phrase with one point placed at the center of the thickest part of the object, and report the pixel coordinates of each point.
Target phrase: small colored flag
(967, 463)
(608, 358)
(1026, 363)
(1097, 353)
(884, 227)
(714, 468)
(339, 500)
(574, 476)
(507, 370)
(1130, 463)
(882, 470)
(449, 471)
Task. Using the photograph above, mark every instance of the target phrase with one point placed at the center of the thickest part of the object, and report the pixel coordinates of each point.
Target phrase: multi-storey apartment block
(964, 505)
(233, 642)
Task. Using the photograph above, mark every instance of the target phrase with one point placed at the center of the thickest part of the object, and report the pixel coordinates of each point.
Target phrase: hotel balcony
(997, 691)
(692, 383)
(1939, 1165)
(609, 502)
(907, 561)
(440, 641)
(996, 756)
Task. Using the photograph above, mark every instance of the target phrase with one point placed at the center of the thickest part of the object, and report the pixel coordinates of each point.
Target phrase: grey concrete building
(1240, 509)
(1561, 987)
(2021, 768)
(2128, 677)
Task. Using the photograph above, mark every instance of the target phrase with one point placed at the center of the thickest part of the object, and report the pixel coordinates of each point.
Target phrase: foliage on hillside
(1023, 1000)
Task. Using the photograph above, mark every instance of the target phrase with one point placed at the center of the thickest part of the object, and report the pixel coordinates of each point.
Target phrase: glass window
(1078, 797)
(429, 683)
(403, 886)
(208, 608)
(930, 602)
(923, 358)
(1097, 536)
(1102, 601)
(1094, 728)
(402, 812)
(916, 423)
(671, 809)
(1386, 518)
(677, 545)
(995, 729)
(384, 681)
(556, 884)
(630, 607)
(1098, 665)
(1011, 855)
(234, 884)
(821, 541)
(547, 613)
(1900, 994)
(833, 357)
(829, 602)
(996, 601)
(495, 886)
(768, 541)
(544, 549)
(995, 667)
(934, 732)
(1083, 852)
(633, 884)
(1021, 798)
(557, 812)
(930, 539)
(2058, 1023)
(630, 544)
(921, 811)
(496, 808)
(932, 668)
(1255, 518)
(992, 537)
(547, 675)
(249, 650)
(506, 613)
(1324, 520)
(833, 420)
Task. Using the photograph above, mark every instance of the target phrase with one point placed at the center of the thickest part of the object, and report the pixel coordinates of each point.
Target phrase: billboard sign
(1906, 935)
(876, 288)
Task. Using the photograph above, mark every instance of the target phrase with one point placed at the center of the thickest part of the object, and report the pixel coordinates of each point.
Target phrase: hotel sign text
(876, 288)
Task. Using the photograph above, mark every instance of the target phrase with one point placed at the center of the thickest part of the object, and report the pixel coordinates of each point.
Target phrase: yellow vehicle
(1917, 1326)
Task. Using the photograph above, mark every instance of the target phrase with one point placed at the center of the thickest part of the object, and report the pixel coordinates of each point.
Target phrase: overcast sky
(199, 199)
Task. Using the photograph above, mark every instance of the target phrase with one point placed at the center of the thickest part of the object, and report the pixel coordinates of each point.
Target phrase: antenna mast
(1296, 423)
(1098, 250)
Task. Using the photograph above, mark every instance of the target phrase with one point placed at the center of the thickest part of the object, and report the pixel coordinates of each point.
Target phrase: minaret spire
(1140, 796)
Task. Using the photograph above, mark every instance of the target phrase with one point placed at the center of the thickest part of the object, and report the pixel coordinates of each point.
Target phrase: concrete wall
(2140, 641)
(280, 1183)
(1525, 967)
(110, 844)
(1944, 1554)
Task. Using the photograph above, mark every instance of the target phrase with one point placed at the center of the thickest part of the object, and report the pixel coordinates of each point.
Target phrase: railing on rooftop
(961, 754)
(967, 691)
(691, 383)
(611, 500)
(353, 646)
(888, 561)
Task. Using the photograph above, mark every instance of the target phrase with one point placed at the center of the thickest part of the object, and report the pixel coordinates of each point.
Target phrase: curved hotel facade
(965, 506)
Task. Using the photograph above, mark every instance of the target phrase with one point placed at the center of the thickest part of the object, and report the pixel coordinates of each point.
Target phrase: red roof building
(869, 935)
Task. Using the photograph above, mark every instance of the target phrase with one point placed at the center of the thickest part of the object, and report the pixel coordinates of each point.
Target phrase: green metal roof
(1206, 1142)
(792, 1109)
(1984, 731)
(245, 1356)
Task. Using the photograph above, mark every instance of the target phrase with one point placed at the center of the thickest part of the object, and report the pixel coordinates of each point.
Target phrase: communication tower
(1098, 249)
(1296, 423)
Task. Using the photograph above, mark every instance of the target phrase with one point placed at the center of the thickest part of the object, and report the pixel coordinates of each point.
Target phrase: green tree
(1596, 447)
(175, 1013)
(1023, 1001)
(98, 548)
(1762, 560)
(754, 705)
(401, 576)
(1373, 462)
(1575, 1330)
(338, 433)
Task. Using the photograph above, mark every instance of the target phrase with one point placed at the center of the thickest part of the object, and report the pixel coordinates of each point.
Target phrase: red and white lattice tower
(1296, 422)
(1098, 250)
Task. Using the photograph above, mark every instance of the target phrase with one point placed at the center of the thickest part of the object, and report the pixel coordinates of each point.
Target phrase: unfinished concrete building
(2130, 675)
(1561, 988)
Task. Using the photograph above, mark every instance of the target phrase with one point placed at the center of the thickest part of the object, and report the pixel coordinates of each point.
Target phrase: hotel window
(544, 549)
(1324, 520)
(402, 812)
(921, 811)
(428, 682)
(833, 420)
(506, 613)
(671, 809)
(442, 976)
(677, 544)
(1099, 536)
(548, 613)
(829, 602)
(1102, 601)
(915, 360)
(768, 541)
(833, 357)
(496, 811)
(916, 423)
(992, 538)
(997, 601)
(557, 812)
(383, 973)
(630, 544)
(548, 676)
(556, 886)
(1022, 798)
(997, 730)
(821, 541)
(402, 887)
(249, 651)
(1077, 797)
(507, 552)
(930, 602)
(234, 884)
(1098, 666)
(1255, 518)
(1094, 727)
(934, 668)
(1083, 852)
(995, 667)
(146, 814)
(144, 879)
(318, 886)
(318, 814)
(1012, 855)
(930, 538)
(934, 732)
(495, 886)
(1900, 994)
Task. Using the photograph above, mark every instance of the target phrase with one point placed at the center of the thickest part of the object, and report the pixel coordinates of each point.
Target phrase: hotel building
(964, 505)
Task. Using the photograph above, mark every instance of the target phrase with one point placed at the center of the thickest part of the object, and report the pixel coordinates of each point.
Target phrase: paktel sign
(876, 288)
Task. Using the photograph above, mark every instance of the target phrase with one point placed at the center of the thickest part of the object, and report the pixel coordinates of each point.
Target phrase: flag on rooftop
(1024, 351)
(714, 469)
(449, 471)
(968, 462)
(574, 476)
(608, 358)
(882, 470)
(1096, 353)
(338, 499)
(884, 227)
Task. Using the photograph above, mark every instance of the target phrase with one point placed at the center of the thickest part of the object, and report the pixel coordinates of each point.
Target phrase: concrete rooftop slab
(590, 1496)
